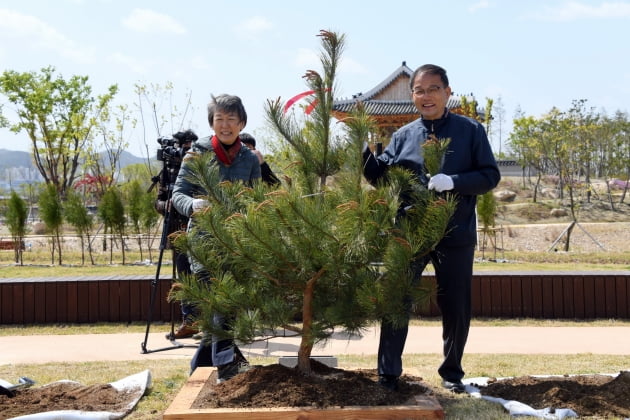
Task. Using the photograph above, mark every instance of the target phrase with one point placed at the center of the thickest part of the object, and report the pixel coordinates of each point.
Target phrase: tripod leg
(154, 288)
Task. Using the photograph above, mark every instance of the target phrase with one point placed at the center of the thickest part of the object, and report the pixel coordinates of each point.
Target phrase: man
(236, 163)
(468, 169)
(176, 223)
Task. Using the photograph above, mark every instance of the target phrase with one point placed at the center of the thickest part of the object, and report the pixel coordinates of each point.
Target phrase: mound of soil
(64, 396)
(597, 396)
(280, 386)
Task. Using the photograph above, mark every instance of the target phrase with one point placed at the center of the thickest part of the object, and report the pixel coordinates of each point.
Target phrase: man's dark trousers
(453, 270)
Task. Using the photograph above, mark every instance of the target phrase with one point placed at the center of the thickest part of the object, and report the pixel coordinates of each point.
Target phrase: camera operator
(171, 154)
(267, 174)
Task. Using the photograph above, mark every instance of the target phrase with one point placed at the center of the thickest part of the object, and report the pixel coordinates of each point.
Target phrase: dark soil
(589, 395)
(597, 396)
(281, 386)
(64, 396)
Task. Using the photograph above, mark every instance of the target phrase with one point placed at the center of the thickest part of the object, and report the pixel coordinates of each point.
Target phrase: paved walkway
(128, 346)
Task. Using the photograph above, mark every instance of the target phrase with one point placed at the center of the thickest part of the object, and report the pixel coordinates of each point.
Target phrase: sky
(531, 55)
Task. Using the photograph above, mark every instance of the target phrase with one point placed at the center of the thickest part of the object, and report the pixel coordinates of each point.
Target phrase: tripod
(168, 216)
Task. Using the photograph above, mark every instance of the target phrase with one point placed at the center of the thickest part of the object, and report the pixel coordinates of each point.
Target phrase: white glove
(199, 203)
(441, 182)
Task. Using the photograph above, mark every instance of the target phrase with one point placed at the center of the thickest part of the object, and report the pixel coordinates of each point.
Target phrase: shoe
(388, 381)
(454, 386)
(185, 330)
(230, 370)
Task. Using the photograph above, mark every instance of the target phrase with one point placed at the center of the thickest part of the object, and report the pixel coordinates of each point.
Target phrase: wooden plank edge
(427, 408)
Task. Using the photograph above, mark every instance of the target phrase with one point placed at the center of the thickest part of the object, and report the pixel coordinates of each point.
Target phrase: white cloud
(198, 62)
(483, 4)
(253, 27)
(572, 10)
(307, 58)
(40, 34)
(148, 21)
(133, 64)
(349, 65)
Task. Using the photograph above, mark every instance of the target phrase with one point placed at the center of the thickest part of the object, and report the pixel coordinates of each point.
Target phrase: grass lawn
(169, 375)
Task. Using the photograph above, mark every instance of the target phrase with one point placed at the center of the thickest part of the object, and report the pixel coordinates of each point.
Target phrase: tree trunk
(89, 241)
(139, 236)
(625, 187)
(59, 258)
(122, 245)
(82, 250)
(569, 230)
(610, 198)
(536, 187)
(306, 344)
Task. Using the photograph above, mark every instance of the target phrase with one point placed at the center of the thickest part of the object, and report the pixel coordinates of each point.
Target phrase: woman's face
(227, 126)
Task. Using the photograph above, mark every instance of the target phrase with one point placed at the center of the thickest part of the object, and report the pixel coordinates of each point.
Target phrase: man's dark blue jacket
(468, 160)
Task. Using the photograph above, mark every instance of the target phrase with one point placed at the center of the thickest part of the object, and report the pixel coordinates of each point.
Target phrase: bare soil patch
(64, 396)
(598, 396)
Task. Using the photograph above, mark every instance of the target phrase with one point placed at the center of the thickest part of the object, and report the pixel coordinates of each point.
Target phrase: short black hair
(430, 69)
(229, 104)
(247, 139)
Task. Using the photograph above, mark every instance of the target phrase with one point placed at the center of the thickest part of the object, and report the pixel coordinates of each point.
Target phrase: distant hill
(15, 159)
(16, 167)
(18, 159)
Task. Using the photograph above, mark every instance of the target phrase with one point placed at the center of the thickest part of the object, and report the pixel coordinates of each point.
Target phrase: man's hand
(441, 182)
(199, 203)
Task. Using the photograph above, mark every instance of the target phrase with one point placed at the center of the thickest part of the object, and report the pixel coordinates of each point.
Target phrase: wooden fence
(545, 295)
(85, 300)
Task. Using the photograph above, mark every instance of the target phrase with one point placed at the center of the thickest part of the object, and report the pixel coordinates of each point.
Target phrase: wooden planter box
(424, 408)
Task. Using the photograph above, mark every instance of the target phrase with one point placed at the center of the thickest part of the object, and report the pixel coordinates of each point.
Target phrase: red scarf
(226, 157)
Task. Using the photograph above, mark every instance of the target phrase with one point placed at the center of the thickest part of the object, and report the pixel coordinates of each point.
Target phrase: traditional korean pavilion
(390, 104)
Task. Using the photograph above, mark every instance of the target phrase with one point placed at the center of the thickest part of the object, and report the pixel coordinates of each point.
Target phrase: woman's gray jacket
(245, 167)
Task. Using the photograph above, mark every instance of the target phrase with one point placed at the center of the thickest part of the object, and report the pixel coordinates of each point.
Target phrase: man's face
(227, 126)
(430, 95)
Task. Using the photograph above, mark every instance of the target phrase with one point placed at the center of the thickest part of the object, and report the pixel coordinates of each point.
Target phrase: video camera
(174, 148)
(171, 155)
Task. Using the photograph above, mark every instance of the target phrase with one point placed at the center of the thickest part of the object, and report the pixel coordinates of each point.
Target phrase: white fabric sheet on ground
(135, 385)
(474, 387)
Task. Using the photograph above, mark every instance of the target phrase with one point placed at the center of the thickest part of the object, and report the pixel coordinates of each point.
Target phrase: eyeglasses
(430, 91)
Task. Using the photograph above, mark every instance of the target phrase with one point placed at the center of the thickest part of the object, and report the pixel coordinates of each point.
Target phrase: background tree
(77, 215)
(59, 117)
(159, 113)
(498, 125)
(486, 213)
(15, 219)
(149, 220)
(104, 153)
(311, 246)
(135, 208)
(525, 142)
(51, 213)
(615, 154)
(111, 211)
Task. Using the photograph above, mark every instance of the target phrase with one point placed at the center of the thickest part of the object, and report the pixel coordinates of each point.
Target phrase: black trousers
(453, 271)
(214, 351)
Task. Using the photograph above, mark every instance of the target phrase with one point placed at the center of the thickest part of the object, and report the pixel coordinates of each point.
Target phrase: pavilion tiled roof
(380, 107)
(402, 106)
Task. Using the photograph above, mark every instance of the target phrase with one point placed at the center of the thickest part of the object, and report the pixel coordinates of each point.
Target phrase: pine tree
(324, 245)
(16, 215)
(77, 215)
